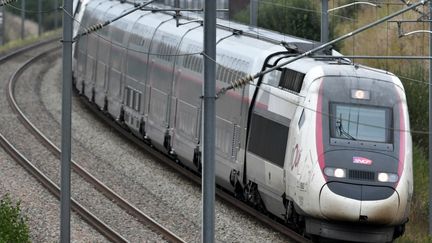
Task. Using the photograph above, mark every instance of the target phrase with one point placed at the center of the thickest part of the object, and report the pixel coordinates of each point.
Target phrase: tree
(293, 17)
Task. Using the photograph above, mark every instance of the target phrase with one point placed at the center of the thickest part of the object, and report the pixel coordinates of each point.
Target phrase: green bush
(13, 226)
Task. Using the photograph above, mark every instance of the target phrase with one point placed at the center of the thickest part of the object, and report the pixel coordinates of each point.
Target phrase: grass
(417, 227)
(15, 44)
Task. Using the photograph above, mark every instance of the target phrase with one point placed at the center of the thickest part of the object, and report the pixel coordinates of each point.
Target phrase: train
(322, 144)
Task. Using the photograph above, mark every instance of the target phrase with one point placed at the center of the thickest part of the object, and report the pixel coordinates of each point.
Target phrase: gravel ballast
(154, 188)
(40, 207)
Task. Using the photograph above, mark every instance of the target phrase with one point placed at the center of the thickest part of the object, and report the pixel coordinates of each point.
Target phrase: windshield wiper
(342, 130)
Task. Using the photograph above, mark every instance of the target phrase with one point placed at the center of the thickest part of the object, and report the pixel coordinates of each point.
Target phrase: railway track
(100, 226)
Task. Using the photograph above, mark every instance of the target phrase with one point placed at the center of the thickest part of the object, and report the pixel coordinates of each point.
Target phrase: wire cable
(33, 11)
(6, 2)
(128, 48)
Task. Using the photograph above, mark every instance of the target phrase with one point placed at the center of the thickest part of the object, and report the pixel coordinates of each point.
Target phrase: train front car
(361, 183)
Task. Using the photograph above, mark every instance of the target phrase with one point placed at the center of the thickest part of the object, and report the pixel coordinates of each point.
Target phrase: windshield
(365, 123)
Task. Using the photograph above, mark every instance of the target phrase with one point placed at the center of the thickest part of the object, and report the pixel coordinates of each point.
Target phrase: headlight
(387, 177)
(335, 172)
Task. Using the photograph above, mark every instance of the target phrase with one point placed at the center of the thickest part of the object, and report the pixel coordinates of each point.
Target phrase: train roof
(255, 32)
(267, 42)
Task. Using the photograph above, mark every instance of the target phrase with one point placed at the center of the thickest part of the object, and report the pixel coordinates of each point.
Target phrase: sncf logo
(362, 161)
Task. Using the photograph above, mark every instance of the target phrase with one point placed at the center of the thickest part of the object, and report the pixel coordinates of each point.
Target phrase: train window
(135, 66)
(200, 64)
(126, 97)
(117, 31)
(358, 122)
(78, 8)
(196, 64)
(133, 102)
(302, 119)
(138, 101)
(135, 39)
(291, 80)
(268, 139)
(219, 72)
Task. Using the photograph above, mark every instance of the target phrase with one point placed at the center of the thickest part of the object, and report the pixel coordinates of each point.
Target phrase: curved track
(51, 186)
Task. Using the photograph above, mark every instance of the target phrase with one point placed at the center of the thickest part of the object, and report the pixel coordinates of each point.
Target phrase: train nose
(351, 202)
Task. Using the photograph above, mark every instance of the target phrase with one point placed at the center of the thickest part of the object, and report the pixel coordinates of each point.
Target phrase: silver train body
(326, 146)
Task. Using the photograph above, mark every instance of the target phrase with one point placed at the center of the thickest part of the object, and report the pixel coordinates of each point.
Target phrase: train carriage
(320, 143)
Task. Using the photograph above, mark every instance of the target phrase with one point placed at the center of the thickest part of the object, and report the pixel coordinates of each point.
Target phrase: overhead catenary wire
(269, 92)
(325, 45)
(243, 80)
(33, 11)
(98, 26)
(248, 78)
(132, 49)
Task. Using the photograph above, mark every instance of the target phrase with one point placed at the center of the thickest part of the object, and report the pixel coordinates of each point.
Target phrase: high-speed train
(321, 143)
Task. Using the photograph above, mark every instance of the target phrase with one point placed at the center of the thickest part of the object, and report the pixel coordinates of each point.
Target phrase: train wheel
(197, 159)
(253, 197)
(105, 107)
(83, 88)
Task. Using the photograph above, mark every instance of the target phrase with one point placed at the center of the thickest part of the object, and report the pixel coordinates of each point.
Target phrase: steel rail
(157, 155)
(19, 51)
(101, 187)
(52, 187)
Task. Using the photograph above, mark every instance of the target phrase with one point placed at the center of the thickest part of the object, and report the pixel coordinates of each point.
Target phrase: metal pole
(66, 124)
(208, 178)
(39, 17)
(253, 13)
(430, 122)
(324, 21)
(23, 7)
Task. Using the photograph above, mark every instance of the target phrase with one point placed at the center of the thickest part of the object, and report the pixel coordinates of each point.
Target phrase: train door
(81, 58)
(186, 102)
(103, 56)
(163, 46)
(119, 35)
(266, 156)
(230, 66)
(272, 140)
(93, 40)
(135, 72)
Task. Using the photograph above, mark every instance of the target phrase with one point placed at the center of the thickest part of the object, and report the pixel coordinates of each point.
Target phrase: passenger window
(133, 99)
(130, 97)
(268, 139)
(226, 75)
(126, 98)
(137, 101)
(302, 119)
